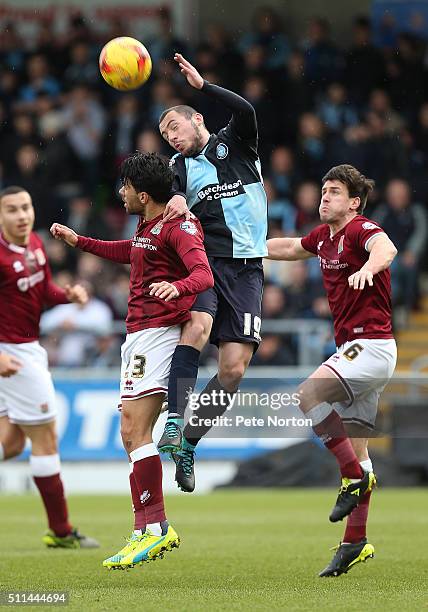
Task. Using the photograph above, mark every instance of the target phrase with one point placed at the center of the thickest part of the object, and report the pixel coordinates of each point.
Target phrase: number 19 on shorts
(252, 325)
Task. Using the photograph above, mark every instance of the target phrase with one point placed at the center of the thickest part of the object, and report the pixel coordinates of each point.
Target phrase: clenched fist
(62, 232)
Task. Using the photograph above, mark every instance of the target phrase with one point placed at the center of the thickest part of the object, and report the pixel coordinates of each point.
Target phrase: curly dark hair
(149, 172)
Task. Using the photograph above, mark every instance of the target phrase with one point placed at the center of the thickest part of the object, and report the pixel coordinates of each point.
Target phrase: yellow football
(125, 63)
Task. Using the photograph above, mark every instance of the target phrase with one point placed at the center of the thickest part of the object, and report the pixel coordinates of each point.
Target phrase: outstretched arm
(287, 249)
(382, 252)
(114, 250)
(244, 122)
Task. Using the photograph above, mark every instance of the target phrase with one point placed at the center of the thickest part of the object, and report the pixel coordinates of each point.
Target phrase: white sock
(1, 452)
(155, 528)
(137, 532)
(367, 465)
(45, 465)
(147, 450)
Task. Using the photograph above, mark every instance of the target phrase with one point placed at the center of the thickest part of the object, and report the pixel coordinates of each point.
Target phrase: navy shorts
(235, 301)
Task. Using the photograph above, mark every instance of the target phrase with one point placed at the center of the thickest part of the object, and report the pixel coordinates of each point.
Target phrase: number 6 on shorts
(353, 351)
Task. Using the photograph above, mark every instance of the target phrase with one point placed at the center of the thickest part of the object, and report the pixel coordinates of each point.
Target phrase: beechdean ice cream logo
(221, 150)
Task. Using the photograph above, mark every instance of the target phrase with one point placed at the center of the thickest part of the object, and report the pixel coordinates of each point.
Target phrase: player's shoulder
(191, 227)
(176, 160)
(360, 223)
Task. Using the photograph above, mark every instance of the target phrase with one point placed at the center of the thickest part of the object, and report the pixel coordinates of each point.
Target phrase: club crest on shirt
(17, 266)
(340, 245)
(189, 227)
(222, 150)
(157, 229)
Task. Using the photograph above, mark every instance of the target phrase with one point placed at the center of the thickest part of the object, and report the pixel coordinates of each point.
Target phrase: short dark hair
(11, 191)
(149, 172)
(181, 109)
(358, 185)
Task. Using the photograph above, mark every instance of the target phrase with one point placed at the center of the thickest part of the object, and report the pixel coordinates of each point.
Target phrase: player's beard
(198, 141)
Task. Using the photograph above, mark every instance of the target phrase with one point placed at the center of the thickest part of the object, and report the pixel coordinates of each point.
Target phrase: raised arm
(287, 249)
(113, 250)
(244, 122)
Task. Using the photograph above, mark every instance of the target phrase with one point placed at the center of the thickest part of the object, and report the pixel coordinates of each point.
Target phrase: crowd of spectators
(64, 133)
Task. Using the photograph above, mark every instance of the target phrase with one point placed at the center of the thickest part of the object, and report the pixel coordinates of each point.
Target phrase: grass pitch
(241, 550)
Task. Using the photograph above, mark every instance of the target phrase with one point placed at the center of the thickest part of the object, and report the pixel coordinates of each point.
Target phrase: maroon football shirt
(356, 314)
(172, 252)
(25, 287)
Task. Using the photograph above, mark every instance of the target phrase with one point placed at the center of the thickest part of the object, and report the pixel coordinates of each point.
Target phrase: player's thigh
(44, 439)
(322, 386)
(239, 285)
(29, 395)
(138, 416)
(197, 330)
(12, 438)
(146, 361)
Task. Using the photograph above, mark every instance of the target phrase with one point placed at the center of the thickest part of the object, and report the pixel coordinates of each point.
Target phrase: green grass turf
(241, 550)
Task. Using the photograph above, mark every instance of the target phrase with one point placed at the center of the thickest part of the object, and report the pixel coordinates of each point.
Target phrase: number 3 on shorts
(353, 351)
(138, 366)
(257, 323)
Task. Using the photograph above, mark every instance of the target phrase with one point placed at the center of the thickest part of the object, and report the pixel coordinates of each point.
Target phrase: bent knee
(230, 377)
(197, 332)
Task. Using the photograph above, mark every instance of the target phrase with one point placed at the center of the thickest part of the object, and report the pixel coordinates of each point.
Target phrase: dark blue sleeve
(244, 122)
(179, 184)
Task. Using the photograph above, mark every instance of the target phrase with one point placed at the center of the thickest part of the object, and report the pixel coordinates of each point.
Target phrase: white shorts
(28, 397)
(146, 361)
(364, 367)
